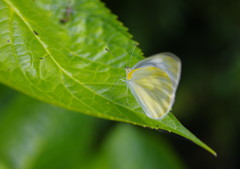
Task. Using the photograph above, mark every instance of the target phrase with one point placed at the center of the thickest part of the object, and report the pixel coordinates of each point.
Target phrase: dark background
(206, 36)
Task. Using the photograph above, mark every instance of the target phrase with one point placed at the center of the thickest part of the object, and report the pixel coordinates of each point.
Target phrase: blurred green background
(206, 36)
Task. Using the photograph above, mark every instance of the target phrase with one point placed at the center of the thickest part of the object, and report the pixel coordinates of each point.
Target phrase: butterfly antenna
(131, 55)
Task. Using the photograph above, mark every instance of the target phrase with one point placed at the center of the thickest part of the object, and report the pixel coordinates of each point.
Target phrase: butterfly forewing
(167, 62)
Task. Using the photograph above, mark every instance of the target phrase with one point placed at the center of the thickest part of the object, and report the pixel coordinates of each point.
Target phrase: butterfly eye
(128, 69)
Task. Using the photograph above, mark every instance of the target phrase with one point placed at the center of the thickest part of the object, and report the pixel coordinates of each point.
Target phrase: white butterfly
(153, 82)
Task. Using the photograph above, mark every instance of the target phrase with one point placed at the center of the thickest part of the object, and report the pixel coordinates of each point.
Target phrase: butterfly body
(153, 82)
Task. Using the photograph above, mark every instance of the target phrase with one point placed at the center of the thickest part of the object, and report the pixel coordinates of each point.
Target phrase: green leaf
(43, 136)
(65, 63)
(129, 147)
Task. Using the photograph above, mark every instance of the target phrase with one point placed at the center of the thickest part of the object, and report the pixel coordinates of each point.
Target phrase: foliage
(44, 136)
(55, 51)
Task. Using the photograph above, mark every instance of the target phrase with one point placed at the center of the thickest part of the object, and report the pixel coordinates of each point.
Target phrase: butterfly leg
(127, 95)
(116, 82)
(123, 80)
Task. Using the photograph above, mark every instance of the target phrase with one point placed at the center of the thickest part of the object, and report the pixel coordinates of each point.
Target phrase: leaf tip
(214, 153)
(211, 151)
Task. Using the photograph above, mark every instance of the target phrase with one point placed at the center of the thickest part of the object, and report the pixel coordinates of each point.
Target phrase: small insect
(153, 82)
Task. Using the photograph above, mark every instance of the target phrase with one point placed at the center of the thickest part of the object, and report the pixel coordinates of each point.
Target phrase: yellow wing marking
(129, 75)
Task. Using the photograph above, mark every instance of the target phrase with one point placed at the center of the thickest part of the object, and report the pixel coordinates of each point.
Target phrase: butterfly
(153, 82)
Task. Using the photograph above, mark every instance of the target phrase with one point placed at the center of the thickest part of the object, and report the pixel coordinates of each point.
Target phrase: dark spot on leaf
(43, 57)
(67, 15)
(35, 33)
(8, 41)
(64, 20)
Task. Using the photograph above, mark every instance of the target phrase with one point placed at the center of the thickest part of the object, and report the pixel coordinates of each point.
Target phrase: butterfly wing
(168, 62)
(154, 82)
